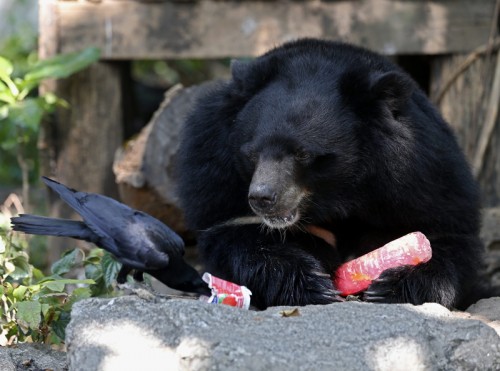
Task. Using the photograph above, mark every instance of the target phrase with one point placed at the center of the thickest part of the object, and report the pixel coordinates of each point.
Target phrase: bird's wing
(135, 238)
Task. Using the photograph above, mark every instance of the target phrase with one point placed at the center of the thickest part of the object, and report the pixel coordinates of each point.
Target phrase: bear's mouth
(283, 219)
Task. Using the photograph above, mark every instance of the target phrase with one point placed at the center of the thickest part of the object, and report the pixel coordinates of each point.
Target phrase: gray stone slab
(182, 334)
(31, 357)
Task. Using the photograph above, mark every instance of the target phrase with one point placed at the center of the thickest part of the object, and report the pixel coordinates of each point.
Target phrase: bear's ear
(239, 70)
(249, 77)
(392, 88)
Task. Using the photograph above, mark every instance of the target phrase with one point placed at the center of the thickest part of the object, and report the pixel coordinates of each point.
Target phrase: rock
(145, 168)
(487, 308)
(31, 357)
(487, 311)
(183, 334)
(490, 235)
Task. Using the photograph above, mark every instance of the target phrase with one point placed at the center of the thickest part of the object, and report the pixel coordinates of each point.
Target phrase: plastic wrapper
(227, 293)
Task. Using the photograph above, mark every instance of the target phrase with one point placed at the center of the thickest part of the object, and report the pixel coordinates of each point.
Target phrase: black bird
(136, 239)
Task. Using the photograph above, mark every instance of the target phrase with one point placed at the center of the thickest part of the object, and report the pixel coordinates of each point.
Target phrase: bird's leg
(123, 273)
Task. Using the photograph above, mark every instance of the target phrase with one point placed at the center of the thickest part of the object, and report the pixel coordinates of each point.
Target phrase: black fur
(371, 157)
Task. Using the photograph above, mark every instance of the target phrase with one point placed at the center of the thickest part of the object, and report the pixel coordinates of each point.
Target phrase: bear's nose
(262, 197)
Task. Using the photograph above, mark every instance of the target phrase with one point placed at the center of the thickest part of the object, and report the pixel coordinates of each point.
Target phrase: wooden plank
(210, 29)
(48, 17)
(84, 138)
(47, 47)
(77, 145)
(465, 106)
(90, 131)
(489, 121)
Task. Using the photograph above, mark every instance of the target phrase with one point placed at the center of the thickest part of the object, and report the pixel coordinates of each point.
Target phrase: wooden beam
(77, 145)
(128, 29)
(467, 106)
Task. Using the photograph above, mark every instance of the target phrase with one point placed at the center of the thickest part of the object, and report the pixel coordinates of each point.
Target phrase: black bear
(325, 136)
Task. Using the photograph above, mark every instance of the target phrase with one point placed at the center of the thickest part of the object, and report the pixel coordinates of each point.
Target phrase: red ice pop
(356, 275)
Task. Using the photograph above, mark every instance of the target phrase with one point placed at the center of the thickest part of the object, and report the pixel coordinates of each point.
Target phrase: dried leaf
(295, 312)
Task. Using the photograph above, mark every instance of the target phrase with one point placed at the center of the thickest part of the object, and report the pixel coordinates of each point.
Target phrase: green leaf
(9, 267)
(22, 267)
(63, 65)
(6, 70)
(56, 286)
(29, 313)
(94, 256)
(110, 268)
(45, 309)
(62, 103)
(50, 98)
(53, 300)
(27, 114)
(4, 112)
(35, 288)
(93, 272)
(14, 90)
(37, 274)
(8, 288)
(19, 292)
(71, 281)
(96, 252)
(3, 87)
(6, 66)
(66, 263)
(8, 144)
(92, 260)
(21, 260)
(7, 97)
(80, 293)
(59, 325)
(100, 288)
(77, 294)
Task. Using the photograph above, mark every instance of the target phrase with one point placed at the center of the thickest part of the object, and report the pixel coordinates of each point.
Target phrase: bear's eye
(249, 152)
(302, 156)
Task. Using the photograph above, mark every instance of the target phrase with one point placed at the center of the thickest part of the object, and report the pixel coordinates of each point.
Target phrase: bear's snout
(262, 198)
(273, 193)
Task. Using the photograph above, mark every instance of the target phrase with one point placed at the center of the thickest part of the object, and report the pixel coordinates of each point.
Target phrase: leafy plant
(21, 109)
(35, 307)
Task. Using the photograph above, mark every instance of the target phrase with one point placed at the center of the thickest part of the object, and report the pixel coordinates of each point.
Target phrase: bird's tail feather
(67, 194)
(41, 225)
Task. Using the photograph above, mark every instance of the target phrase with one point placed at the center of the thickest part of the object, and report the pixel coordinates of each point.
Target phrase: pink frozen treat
(356, 275)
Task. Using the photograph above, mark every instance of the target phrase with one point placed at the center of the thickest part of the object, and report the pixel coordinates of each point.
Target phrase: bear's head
(306, 133)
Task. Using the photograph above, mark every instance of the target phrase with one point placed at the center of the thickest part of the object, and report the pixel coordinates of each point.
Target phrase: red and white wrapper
(227, 293)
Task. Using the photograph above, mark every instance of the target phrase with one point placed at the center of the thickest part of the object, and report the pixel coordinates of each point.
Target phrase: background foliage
(37, 307)
(35, 300)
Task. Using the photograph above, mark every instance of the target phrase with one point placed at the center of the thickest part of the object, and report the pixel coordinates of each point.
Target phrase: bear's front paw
(391, 287)
(299, 287)
(316, 288)
(418, 284)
